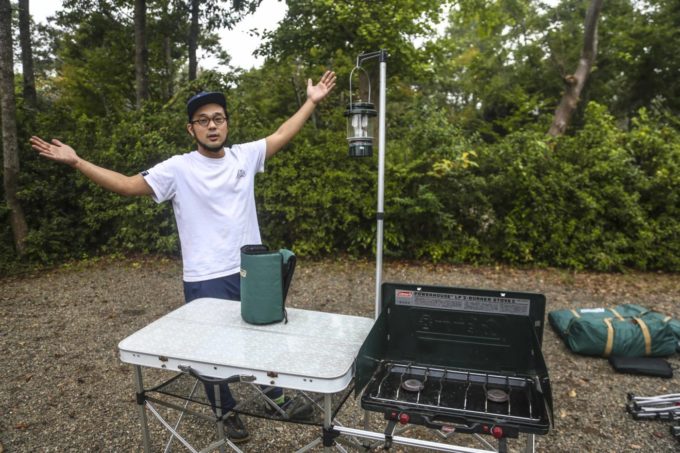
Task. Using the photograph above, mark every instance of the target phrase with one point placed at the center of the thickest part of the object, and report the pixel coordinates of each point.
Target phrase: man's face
(210, 137)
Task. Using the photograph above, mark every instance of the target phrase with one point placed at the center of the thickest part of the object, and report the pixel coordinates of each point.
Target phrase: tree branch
(576, 82)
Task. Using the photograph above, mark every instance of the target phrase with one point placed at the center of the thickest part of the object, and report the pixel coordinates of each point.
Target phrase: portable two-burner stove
(457, 360)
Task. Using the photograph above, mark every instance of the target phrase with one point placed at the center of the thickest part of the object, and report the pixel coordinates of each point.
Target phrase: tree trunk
(168, 63)
(141, 53)
(575, 82)
(26, 54)
(9, 129)
(193, 39)
(168, 73)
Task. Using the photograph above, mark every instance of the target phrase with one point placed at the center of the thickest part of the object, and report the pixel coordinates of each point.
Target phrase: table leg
(218, 409)
(327, 416)
(139, 383)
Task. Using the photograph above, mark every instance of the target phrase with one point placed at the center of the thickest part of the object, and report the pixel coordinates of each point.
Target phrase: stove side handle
(371, 354)
(547, 393)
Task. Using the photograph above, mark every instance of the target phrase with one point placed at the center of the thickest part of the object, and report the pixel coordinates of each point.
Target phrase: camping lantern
(360, 127)
(360, 123)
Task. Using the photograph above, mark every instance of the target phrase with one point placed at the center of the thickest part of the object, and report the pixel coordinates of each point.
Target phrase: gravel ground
(63, 388)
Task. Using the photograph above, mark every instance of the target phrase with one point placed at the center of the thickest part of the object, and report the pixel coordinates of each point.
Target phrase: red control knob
(404, 418)
(497, 432)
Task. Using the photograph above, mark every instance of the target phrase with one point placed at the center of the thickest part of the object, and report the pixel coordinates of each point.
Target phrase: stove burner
(412, 385)
(497, 395)
(457, 396)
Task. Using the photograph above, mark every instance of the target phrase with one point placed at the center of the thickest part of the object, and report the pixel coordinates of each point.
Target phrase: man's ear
(190, 129)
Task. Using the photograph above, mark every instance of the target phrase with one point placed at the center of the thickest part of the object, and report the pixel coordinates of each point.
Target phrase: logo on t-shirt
(241, 173)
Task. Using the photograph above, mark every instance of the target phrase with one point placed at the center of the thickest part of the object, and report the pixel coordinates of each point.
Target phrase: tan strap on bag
(610, 337)
(616, 313)
(646, 335)
(575, 313)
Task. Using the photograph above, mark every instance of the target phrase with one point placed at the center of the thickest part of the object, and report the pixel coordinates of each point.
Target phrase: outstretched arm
(288, 130)
(108, 179)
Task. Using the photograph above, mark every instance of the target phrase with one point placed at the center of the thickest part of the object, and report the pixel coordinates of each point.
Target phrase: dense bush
(602, 198)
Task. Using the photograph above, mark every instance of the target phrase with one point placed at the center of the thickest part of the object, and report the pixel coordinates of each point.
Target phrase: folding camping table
(314, 351)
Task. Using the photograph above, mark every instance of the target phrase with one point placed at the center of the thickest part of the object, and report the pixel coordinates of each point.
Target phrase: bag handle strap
(255, 249)
(288, 269)
(645, 333)
(610, 337)
(289, 262)
(616, 313)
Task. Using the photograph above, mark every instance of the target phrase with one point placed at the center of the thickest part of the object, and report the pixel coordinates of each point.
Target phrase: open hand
(57, 151)
(319, 91)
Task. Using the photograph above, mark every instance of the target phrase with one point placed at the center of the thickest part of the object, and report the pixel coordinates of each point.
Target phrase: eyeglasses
(204, 121)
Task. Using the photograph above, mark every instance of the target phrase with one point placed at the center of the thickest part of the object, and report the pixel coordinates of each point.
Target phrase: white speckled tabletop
(313, 351)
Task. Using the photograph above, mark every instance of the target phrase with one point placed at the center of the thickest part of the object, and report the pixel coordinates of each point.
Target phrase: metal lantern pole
(380, 214)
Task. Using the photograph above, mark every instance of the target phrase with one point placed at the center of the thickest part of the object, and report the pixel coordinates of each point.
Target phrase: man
(213, 199)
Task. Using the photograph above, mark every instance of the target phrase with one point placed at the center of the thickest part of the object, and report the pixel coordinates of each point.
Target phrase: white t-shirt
(214, 205)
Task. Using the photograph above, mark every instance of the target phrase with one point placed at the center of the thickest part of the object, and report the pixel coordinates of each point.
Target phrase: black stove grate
(455, 392)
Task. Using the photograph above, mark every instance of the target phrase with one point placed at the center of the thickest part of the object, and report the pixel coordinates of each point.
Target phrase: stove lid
(481, 303)
(470, 329)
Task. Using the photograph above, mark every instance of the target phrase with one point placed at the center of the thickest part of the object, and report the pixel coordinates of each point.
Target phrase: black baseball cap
(205, 97)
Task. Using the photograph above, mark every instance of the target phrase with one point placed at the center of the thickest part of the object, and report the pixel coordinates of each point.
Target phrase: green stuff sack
(625, 331)
(265, 279)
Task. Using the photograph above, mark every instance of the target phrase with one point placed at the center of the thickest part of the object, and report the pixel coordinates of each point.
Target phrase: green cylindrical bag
(265, 279)
(626, 330)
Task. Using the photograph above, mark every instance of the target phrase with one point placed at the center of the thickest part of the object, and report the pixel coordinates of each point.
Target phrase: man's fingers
(38, 141)
(38, 144)
(328, 77)
(41, 146)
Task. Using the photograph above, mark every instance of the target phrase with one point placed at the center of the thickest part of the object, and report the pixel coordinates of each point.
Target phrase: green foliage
(470, 174)
(313, 197)
(434, 198)
(90, 81)
(116, 223)
(69, 216)
(332, 33)
(573, 205)
(578, 202)
(654, 145)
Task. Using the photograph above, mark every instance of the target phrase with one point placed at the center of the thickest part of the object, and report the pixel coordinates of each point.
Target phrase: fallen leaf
(572, 393)
(21, 426)
(635, 446)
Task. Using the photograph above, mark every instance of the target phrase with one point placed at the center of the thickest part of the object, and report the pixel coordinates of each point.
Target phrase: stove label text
(463, 302)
